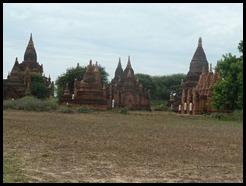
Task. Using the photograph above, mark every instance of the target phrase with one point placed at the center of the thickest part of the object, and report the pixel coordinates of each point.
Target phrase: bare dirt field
(112, 147)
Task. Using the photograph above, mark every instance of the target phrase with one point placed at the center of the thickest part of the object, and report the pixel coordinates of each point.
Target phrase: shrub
(238, 115)
(51, 104)
(83, 110)
(9, 104)
(123, 110)
(66, 110)
(31, 103)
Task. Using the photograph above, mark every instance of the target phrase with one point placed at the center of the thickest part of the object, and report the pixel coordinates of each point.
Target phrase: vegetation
(38, 88)
(30, 103)
(159, 105)
(228, 93)
(12, 172)
(161, 86)
(84, 110)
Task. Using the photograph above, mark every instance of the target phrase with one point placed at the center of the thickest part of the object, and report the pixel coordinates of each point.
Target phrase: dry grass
(111, 147)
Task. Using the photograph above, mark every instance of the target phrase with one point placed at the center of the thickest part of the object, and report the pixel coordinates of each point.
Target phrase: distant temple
(194, 96)
(124, 91)
(18, 82)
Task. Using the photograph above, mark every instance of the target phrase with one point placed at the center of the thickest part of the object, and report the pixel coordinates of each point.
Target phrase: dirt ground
(112, 147)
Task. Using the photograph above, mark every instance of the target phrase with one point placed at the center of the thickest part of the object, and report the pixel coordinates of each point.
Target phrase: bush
(51, 104)
(159, 105)
(123, 110)
(30, 103)
(83, 110)
(9, 104)
(66, 110)
(238, 115)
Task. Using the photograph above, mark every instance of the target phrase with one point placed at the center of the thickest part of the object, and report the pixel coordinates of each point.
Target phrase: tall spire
(30, 53)
(129, 62)
(119, 63)
(119, 71)
(200, 41)
(30, 41)
(197, 63)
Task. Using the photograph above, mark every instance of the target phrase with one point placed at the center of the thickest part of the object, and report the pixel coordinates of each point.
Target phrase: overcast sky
(160, 38)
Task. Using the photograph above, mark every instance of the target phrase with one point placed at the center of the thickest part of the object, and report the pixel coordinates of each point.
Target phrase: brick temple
(18, 82)
(124, 91)
(89, 92)
(194, 96)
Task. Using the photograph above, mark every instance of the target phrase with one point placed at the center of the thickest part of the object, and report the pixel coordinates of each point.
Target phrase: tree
(161, 86)
(147, 82)
(228, 92)
(38, 88)
(72, 73)
(167, 84)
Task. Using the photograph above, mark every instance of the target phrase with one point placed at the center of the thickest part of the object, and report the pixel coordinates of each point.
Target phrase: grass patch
(11, 169)
(30, 103)
(237, 115)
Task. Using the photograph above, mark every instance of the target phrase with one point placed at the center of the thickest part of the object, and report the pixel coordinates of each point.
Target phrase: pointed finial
(77, 65)
(96, 67)
(129, 62)
(90, 62)
(200, 41)
(30, 43)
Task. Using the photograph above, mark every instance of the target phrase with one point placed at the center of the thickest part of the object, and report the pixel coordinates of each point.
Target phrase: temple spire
(119, 63)
(200, 41)
(30, 53)
(129, 62)
(30, 41)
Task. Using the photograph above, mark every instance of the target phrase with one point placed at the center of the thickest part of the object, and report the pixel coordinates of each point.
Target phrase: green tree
(228, 92)
(72, 73)
(167, 84)
(147, 82)
(38, 87)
